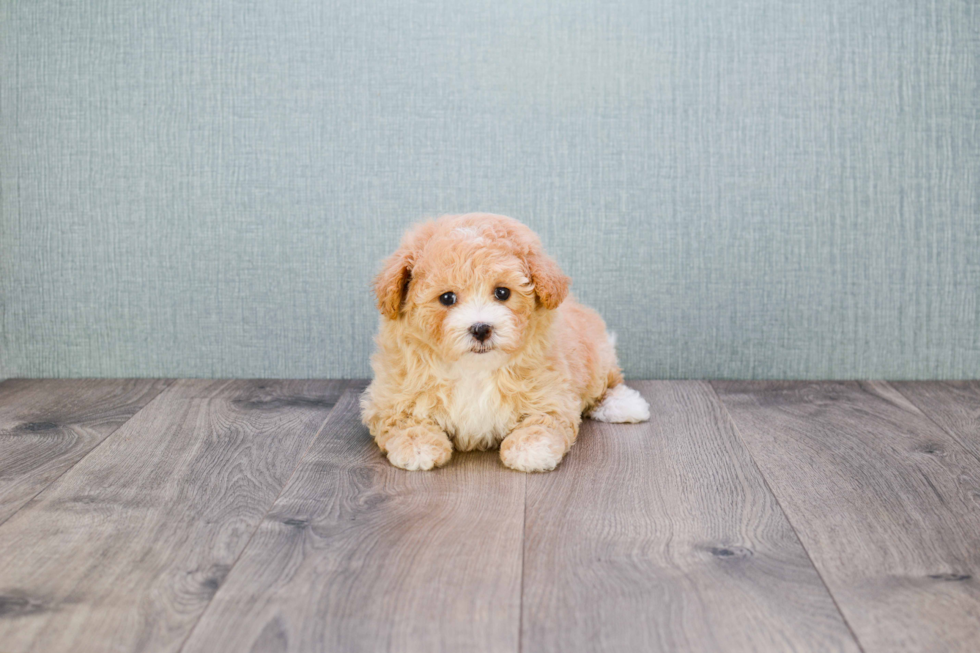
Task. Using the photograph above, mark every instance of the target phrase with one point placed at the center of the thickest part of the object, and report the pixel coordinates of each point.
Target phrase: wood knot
(280, 403)
(19, 605)
(214, 577)
(730, 551)
(37, 427)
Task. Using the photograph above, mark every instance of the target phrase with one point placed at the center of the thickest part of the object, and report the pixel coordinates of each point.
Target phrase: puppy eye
(447, 298)
(502, 294)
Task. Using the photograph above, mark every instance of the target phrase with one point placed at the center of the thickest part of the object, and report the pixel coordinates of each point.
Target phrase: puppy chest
(476, 415)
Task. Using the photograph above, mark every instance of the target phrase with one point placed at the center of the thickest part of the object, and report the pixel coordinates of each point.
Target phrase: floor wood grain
(954, 405)
(126, 549)
(214, 516)
(357, 555)
(46, 426)
(663, 537)
(885, 501)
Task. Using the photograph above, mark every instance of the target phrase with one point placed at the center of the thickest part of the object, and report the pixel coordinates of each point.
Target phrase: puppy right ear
(391, 284)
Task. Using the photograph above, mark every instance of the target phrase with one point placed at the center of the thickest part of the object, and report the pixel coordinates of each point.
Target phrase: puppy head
(470, 284)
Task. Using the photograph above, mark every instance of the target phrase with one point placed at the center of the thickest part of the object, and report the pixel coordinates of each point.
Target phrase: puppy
(480, 344)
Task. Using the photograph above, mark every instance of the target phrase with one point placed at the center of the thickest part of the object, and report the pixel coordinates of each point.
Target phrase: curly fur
(548, 360)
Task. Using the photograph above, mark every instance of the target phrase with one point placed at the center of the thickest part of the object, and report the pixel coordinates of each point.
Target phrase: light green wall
(744, 189)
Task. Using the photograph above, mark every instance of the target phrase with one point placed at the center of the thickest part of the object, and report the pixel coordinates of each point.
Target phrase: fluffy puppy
(480, 344)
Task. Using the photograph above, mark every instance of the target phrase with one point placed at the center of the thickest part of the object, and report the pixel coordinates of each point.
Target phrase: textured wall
(744, 189)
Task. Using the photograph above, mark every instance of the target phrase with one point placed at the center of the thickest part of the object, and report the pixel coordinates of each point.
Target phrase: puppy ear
(391, 284)
(550, 283)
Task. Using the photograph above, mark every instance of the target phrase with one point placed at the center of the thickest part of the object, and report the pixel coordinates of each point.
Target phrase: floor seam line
(765, 481)
(258, 524)
(925, 414)
(169, 384)
(520, 614)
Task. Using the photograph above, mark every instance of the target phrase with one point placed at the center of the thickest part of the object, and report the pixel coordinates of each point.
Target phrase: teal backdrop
(744, 189)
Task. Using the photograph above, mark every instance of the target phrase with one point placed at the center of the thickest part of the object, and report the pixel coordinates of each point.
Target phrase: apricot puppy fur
(480, 344)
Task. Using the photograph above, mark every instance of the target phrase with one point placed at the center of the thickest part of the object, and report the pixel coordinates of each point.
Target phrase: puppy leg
(416, 445)
(538, 443)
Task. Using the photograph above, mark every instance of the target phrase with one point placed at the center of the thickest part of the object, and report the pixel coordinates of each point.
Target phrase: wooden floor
(204, 516)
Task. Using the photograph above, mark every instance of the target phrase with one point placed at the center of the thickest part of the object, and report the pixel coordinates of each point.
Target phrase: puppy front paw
(533, 449)
(417, 448)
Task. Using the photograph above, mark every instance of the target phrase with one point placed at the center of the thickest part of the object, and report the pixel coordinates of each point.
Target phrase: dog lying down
(480, 344)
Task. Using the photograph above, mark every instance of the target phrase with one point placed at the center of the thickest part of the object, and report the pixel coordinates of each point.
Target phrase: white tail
(621, 404)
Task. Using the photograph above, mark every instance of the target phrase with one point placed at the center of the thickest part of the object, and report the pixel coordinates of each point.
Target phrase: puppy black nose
(481, 331)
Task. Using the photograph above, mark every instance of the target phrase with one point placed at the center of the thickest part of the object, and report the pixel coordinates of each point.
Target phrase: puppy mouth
(482, 348)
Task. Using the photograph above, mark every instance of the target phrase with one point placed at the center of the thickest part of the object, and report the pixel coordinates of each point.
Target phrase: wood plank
(954, 405)
(47, 425)
(663, 537)
(886, 503)
(358, 555)
(125, 550)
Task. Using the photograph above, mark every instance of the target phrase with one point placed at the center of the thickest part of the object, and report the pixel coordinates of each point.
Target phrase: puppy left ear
(550, 283)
